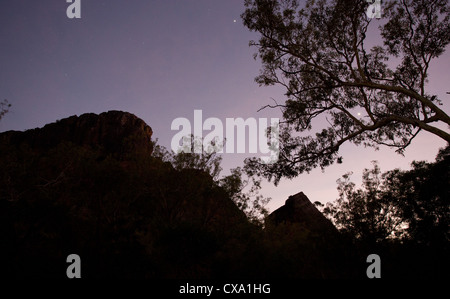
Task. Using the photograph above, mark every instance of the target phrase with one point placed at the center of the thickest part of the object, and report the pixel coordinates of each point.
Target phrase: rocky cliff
(303, 243)
(113, 132)
(89, 185)
(299, 209)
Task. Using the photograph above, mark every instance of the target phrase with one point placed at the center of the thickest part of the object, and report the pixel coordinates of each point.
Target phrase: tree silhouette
(407, 205)
(238, 185)
(4, 108)
(319, 54)
(366, 213)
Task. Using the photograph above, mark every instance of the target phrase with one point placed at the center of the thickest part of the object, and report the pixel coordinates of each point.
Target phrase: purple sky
(160, 60)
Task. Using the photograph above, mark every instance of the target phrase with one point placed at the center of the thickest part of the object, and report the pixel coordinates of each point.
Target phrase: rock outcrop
(113, 132)
(299, 209)
(89, 185)
(303, 243)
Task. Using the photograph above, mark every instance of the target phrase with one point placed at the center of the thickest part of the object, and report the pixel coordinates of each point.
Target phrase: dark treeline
(403, 215)
(130, 213)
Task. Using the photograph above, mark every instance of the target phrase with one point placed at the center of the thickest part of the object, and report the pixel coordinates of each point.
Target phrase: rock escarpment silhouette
(113, 132)
(89, 185)
(303, 243)
(299, 209)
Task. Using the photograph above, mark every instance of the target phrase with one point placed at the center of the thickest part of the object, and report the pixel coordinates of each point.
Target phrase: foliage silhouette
(4, 108)
(405, 205)
(132, 214)
(241, 188)
(319, 54)
(404, 215)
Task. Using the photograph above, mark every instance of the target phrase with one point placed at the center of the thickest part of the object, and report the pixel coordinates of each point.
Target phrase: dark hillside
(89, 185)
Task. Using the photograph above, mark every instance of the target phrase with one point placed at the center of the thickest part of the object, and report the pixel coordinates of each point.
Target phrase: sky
(161, 60)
